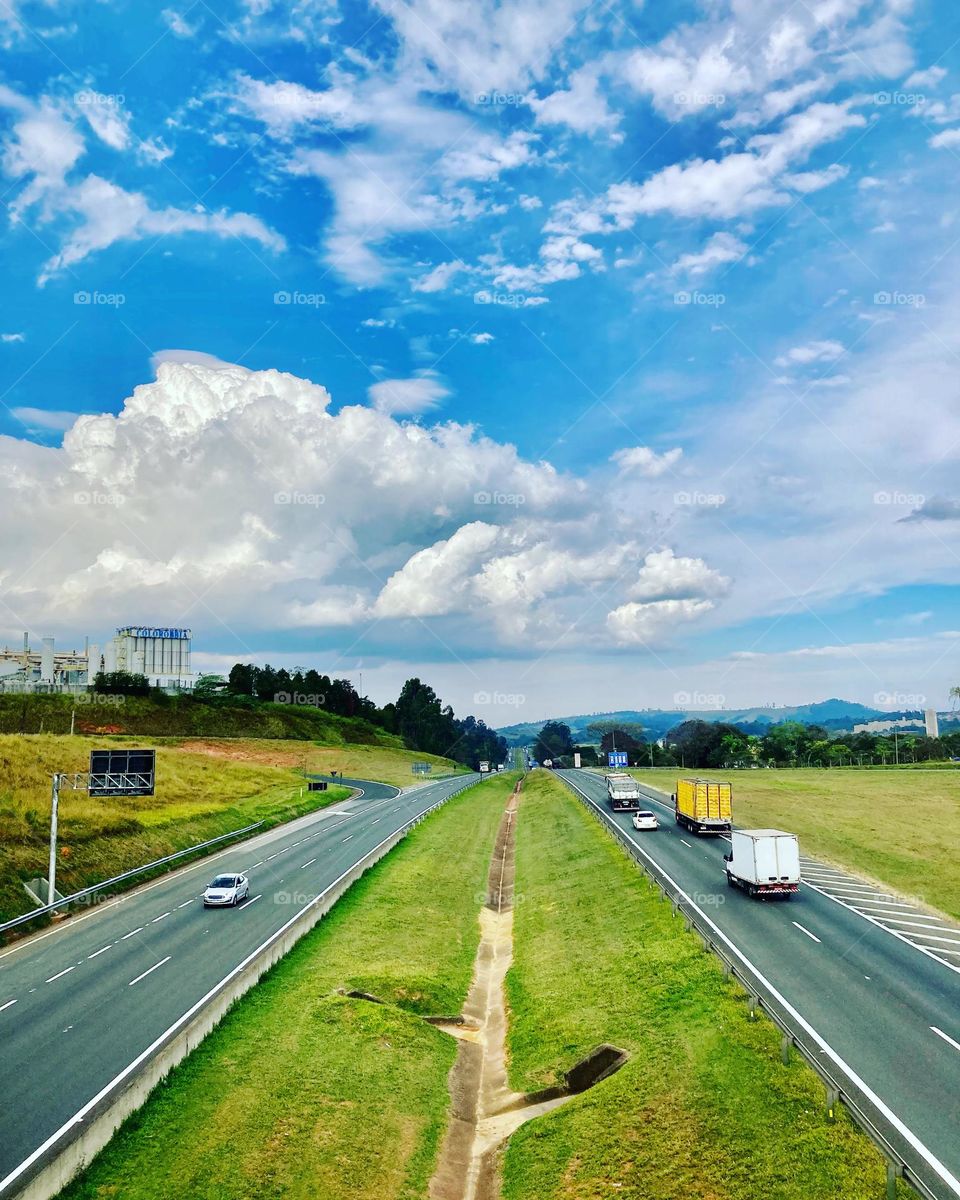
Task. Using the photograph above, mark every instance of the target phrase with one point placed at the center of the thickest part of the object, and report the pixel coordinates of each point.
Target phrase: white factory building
(161, 653)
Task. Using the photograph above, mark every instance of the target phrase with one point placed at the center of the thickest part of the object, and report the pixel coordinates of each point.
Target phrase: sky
(573, 356)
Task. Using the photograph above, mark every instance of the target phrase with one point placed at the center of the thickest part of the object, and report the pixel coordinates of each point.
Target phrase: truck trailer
(764, 862)
(703, 805)
(623, 792)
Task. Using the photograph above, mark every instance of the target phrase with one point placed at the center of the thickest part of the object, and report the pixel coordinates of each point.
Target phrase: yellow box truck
(704, 805)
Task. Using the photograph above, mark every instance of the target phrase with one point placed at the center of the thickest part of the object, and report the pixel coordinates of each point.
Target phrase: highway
(80, 1002)
(888, 1009)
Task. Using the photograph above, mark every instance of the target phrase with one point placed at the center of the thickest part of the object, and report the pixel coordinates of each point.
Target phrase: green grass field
(898, 827)
(704, 1108)
(301, 1093)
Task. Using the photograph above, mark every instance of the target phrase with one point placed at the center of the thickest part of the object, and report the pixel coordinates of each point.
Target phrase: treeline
(716, 745)
(418, 715)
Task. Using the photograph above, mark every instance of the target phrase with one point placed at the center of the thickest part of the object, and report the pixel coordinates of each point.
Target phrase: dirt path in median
(484, 1111)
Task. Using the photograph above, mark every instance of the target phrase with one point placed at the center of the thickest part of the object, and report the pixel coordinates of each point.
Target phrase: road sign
(616, 758)
(122, 772)
(421, 768)
(576, 759)
(317, 785)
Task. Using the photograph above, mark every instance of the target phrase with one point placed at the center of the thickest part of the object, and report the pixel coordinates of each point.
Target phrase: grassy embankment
(184, 716)
(704, 1108)
(901, 829)
(303, 1093)
(204, 788)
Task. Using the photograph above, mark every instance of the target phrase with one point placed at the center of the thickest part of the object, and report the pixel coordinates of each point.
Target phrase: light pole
(52, 868)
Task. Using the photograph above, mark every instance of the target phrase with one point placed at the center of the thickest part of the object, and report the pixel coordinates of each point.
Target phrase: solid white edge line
(909, 1136)
(150, 970)
(81, 1112)
(7, 1005)
(60, 974)
(806, 931)
(946, 1037)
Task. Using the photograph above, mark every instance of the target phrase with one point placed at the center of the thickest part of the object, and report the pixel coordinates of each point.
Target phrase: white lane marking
(142, 1057)
(150, 970)
(944, 950)
(946, 1037)
(825, 1048)
(273, 856)
(806, 931)
(185, 903)
(308, 864)
(255, 865)
(160, 918)
(867, 893)
(903, 910)
(60, 974)
(376, 822)
(251, 900)
(929, 937)
(102, 950)
(131, 933)
(7, 1005)
(686, 843)
(347, 839)
(914, 924)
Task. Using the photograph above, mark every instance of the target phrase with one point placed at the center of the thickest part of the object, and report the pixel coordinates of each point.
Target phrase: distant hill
(836, 714)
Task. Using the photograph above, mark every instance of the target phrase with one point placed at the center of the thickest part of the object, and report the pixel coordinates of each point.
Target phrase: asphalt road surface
(80, 1002)
(890, 1010)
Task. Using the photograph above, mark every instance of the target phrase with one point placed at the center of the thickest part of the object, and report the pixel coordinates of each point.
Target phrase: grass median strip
(306, 1092)
(704, 1107)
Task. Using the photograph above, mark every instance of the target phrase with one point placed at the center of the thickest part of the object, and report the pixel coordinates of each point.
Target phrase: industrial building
(161, 653)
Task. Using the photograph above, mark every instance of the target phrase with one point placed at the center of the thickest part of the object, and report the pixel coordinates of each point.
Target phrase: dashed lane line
(60, 974)
(946, 1037)
(806, 931)
(150, 970)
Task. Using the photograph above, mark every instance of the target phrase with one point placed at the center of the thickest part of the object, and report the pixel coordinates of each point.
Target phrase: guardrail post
(786, 1045)
(752, 1007)
(727, 969)
(894, 1172)
(830, 1109)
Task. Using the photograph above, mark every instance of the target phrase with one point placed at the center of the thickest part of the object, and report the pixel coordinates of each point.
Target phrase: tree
(242, 679)
(207, 686)
(553, 742)
(121, 683)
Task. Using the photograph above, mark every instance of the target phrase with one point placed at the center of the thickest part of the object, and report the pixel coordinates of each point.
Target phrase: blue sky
(617, 345)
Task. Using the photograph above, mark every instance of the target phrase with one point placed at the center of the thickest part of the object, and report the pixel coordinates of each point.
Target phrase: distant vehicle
(644, 819)
(764, 862)
(226, 890)
(703, 805)
(484, 768)
(623, 792)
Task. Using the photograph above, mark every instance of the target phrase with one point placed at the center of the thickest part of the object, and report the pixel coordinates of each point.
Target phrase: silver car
(226, 890)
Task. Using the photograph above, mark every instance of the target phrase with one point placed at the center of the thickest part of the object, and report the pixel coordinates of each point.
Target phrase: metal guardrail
(759, 995)
(82, 895)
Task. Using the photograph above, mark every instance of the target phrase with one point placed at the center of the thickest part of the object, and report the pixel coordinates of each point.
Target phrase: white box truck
(764, 862)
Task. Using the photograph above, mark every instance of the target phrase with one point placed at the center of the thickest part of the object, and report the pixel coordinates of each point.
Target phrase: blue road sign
(616, 758)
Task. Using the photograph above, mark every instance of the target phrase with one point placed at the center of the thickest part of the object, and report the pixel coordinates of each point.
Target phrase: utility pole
(52, 868)
(896, 748)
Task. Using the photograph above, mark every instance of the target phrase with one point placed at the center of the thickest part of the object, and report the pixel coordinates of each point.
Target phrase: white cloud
(644, 624)
(663, 576)
(107, 117)
(581, 107)
(644, 461)
(45, 420)
(946, 140)
(439, 277)
(720, 249)
(929, 78)
(417, 394)
(13, 337)
(811, 352)
(529, 203)
(284, 106)
(178, 24)
(481, 339)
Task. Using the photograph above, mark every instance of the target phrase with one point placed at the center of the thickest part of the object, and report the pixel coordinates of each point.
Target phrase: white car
(645, 820)
(225, 890)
